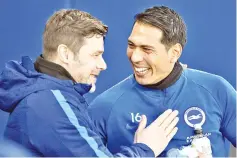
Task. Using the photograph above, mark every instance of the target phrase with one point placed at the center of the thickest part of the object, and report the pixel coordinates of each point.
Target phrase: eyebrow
(99, 52)
(143, 46)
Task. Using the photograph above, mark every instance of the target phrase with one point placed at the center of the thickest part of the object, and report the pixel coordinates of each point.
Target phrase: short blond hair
(70, 27)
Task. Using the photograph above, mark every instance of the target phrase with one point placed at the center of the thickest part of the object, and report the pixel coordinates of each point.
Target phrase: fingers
(169, 119)
(142, 123)
(172, 133)
(170, 127)
(162, 117)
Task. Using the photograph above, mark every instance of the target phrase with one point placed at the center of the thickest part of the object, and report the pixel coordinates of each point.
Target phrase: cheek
(129, 53)
(90, 66)
(162, 66)
(156, 62)
(81, 69)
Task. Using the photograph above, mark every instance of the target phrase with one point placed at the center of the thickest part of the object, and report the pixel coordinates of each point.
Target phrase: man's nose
(136, 56)
(101, 64)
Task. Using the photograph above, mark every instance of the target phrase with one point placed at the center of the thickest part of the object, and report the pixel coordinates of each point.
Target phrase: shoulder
(204, 79)
(50, 103)
(41, 102)
(218, 87)
(40, 97)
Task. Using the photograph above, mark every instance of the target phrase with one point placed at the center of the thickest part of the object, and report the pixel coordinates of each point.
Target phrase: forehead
(94, 43)
(145, 34)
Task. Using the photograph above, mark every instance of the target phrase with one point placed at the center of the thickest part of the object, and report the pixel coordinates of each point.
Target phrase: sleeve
(64, 131)
(99, 111)
(227, 96)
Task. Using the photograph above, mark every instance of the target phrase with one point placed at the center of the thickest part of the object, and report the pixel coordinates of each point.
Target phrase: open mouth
(141, 71)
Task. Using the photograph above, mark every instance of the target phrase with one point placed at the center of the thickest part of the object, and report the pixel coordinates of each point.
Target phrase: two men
(48, 113)
(206, 102)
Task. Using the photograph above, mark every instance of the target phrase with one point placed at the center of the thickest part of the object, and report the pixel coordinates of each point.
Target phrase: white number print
(136, 117)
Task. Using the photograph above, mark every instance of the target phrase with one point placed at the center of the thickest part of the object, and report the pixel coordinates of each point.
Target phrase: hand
(159, 133)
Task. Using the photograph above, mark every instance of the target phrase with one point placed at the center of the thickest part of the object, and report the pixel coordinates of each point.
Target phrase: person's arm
(63, 138)
(226, 95)
(66, 132)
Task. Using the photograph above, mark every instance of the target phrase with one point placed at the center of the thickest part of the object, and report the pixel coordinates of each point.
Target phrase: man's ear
(64, 53)
(175, 52)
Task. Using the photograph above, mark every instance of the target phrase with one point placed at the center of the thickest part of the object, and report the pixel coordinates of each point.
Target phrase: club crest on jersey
(194, 115)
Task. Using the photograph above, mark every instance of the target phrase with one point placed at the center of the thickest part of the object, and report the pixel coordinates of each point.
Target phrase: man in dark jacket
(48, 113)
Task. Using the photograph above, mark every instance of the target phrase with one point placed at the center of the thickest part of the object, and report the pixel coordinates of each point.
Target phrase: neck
(169, 80)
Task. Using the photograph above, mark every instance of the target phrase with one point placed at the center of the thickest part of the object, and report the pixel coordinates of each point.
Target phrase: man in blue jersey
(48, 113)
(206, 102)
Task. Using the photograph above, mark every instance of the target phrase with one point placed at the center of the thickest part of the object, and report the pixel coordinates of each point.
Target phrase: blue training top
(200, 97)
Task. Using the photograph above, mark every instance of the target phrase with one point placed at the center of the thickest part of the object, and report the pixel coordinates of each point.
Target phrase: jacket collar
(169, 80)
(57, 71)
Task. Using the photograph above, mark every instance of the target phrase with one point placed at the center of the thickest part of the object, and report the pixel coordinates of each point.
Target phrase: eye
(147, 50)
(97, 55)
(130, 45)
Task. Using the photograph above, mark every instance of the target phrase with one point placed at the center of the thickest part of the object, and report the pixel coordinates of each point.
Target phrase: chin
(93, 88)
(142, 81)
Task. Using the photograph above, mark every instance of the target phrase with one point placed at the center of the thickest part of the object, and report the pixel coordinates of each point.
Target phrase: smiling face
(150, 59)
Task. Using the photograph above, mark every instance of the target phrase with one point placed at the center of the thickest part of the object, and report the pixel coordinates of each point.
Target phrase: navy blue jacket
(49, 116)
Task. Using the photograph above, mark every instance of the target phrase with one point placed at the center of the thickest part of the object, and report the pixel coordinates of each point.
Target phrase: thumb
(142, 123)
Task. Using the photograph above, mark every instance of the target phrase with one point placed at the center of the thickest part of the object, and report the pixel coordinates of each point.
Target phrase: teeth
(141, 70)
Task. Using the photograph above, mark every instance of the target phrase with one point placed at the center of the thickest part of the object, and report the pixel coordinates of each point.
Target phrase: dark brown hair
(167, 20)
